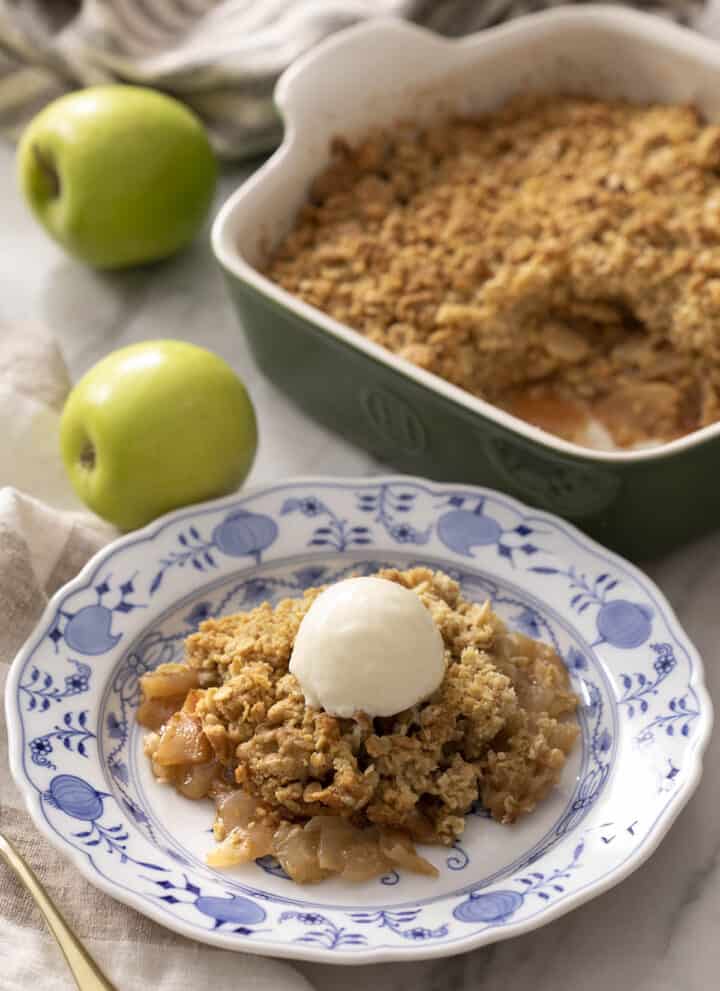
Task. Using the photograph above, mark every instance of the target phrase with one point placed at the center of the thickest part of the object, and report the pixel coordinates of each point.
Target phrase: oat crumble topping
(497, 730)
(559, 258)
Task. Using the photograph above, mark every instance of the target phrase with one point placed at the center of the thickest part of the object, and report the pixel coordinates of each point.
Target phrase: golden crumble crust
(495, 729)
(558, 251)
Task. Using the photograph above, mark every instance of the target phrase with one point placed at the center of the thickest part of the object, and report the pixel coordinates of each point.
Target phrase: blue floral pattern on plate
(76, 750)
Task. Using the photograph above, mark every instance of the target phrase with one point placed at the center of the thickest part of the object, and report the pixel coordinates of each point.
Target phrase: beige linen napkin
(41, 547)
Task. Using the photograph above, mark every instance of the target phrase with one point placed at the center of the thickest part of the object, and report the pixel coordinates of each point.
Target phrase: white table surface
(660, 929)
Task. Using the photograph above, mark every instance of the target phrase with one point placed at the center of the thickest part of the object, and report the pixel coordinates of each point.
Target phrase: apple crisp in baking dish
(559, 257)
(350, 796)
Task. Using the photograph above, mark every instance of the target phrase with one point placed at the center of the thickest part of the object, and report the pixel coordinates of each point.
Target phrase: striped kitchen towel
(222, 57)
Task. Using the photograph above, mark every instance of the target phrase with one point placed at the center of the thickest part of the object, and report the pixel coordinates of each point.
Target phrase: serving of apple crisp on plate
(331, 795)
(422, 696)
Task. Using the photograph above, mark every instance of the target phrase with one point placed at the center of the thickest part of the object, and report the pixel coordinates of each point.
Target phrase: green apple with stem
(155, 426)
(119, 175)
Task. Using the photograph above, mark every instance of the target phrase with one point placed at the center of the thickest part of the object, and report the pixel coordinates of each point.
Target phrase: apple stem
(87, 456)
(47, 167)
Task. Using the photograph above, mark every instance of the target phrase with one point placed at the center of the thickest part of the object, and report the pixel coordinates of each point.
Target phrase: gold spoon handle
(86, 972)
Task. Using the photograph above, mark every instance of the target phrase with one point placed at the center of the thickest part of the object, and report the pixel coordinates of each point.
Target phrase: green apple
(155, 426)
(119, 175)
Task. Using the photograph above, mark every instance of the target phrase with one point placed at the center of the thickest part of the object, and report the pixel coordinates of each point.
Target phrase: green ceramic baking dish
(641, 503)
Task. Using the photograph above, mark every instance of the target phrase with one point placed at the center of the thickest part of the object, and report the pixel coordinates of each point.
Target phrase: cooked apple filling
(351, 796)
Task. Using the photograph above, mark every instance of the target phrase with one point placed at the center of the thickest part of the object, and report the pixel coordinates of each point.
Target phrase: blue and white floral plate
(76, 751)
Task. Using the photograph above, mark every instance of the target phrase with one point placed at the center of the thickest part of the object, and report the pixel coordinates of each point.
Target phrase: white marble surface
(660, 929)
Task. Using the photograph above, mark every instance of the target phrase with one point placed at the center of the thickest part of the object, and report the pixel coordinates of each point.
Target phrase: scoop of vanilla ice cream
(370, 645)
